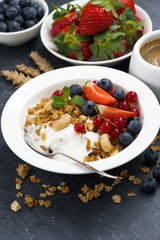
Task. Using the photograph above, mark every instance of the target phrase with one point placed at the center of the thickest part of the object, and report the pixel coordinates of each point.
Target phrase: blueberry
(149, 184)
(11, 12)
(75, 89)
(40, 12)
(88, 108)
(19, 19)
(25, 3)
(15, 4)
(2, 7)
(151, 156)
(29, 23)
(134, 127)
(29, 13)
(156, 173)
(13, 26)
(7, 1)
(125, 138)
(119, 94)
(3, 27)
(132, 118)
(105, 84)
(2, 17)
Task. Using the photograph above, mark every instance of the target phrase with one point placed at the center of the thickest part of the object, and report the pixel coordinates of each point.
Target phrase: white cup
(143, 70)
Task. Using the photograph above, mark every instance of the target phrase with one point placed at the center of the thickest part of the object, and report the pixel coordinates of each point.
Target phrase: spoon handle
(89, 166)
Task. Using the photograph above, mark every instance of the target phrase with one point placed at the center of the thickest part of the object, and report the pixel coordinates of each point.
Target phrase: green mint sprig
(59, 102)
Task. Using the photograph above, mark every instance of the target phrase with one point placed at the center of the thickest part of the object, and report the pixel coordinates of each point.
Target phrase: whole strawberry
(63, 17)
(97, 16)
(131, 26)
(109, 44)
(127, 4)
(72, 44)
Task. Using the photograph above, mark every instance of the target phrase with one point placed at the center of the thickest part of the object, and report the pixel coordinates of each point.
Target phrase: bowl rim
(109, 62)
(154, 35)
(46, 11)
(11, 117)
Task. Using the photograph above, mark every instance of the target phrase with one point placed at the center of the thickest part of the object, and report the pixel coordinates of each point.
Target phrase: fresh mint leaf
(66, 93)
(77, 100)
(58, 101)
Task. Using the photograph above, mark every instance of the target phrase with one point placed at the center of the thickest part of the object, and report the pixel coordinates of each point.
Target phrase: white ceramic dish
(13, 116)
(47, 35)
(145, 71)
(21, 37)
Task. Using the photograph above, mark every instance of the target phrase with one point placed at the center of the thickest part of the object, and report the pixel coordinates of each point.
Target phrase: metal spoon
(76, 160)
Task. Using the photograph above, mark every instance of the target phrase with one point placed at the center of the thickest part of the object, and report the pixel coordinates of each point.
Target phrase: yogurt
(65, 141)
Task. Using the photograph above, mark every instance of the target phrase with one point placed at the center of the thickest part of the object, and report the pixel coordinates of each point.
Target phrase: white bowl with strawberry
(138, 99)
(83, 32)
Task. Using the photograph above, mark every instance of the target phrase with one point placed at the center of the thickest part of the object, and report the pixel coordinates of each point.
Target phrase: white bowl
(143, 70)
(15, 110)
(21, 37)
(47, 36)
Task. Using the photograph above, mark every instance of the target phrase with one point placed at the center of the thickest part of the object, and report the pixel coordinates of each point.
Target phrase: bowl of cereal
(92, 51)
(21, 20)
(96, 114)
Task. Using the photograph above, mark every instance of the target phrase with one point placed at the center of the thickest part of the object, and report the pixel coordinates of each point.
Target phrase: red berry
(124, 105)
(120, 122)
(83, 96)
(135, 110)
(115, 133)
(97, 121)
(106, 127)
(79, 127)
(58, 93)
(95, 82)
(131, 97)
(111, 92)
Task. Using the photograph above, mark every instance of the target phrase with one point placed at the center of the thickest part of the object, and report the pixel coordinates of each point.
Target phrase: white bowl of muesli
(97, 114)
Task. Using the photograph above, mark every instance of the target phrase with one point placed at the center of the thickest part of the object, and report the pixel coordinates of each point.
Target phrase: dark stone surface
(134, 219)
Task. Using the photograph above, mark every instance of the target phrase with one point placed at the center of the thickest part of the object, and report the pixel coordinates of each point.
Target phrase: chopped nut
(34, 179)
(124, 173)
(145, 169)
(22, 170)
(19, 194)
(15, 206)
(116, 198)
(18, 186)
(41, 202)
(90, 158)
(61, 123)
(96, 194)
(155, 148)
(59, 187)
(99, 187)
(131, 194)
(106, 143)
(131, 178)
(45, 185)
(43, 195)
(137, 181)
(65, 189)
(108, 188)
(29, 201)
(18, 180)
(52, 189)
(62, 183)
(47, 203)
(49, 193)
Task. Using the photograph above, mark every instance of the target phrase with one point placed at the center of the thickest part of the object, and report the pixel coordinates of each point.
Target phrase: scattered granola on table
(22, 170)
(15, 206)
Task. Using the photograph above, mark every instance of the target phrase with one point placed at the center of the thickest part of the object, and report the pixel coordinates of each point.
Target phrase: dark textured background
(134, 219)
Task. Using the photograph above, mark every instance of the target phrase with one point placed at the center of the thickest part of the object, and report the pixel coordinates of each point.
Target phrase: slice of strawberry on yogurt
(98, 95)
(113, 113)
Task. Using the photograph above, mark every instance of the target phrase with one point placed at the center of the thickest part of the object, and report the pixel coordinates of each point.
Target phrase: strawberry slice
(98, 95)
(113, 113)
